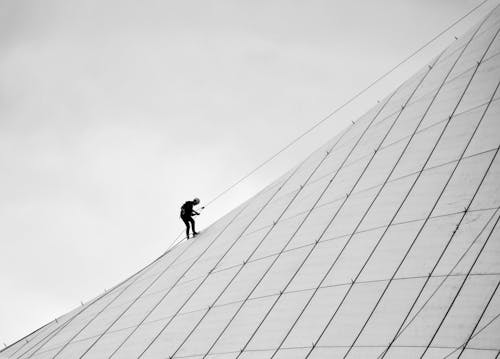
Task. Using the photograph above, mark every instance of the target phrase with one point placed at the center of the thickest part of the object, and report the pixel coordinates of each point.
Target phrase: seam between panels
(446, 276)
(208, 274)
(392, 180)
(370, 229)
(39, 331)
(401, 329)
(430, 214)
(157, 278)
(355, 193)
(404, 199)
(300, 225)
(306, 305)
(314, 246)
(293, 235)
(323, 347)
(133, 278)
(262, 240)
(486, 241)
(491, 321)
(451, 80)
(275, 222)
(479, 34)
(430, 92)
(432, 209)
(421, 130)
(222, 257)
(460, 288)
(34, 334)
(464, 345)
(429, 344)
(449, 274)
(69, 341)
(383, 148)
(449, 214)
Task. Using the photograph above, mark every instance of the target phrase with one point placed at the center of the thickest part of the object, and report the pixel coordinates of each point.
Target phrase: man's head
(196, 201)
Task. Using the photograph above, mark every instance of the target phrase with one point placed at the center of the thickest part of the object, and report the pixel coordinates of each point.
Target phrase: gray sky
(113, 113)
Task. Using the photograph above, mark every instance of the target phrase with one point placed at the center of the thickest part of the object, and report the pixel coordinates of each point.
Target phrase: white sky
(113, 113)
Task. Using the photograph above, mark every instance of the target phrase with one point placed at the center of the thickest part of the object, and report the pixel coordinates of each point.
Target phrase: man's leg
(192, 226)
(186, 222)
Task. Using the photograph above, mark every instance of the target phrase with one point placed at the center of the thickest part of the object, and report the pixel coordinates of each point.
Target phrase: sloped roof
(384, 243)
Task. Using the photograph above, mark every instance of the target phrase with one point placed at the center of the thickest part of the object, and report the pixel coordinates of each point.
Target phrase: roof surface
(384, 243)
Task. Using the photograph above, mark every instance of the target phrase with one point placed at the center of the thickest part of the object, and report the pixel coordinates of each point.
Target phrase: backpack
(183, 210)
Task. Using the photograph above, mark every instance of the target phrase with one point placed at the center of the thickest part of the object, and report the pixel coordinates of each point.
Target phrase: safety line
(431, 91)
(346, 103)
(423, 129)
(178, 282)
(406, 196)
(352, 234)
(374, 199)
(358, 94)
(56, 330)
(385, 147)
(262, 240)
(368, 87)
(210, 273)
(314, 246)
(328, 152)
(220, 259)
(153, 282)
(411, 103)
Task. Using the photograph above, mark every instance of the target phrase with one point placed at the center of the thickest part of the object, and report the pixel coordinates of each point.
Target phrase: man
(187, 212)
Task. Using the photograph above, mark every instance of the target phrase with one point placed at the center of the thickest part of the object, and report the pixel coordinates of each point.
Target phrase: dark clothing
(186, 221)
(187, 209)
(186, 215)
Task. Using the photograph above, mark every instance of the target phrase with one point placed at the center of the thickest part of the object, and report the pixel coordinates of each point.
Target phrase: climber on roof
(187, 213)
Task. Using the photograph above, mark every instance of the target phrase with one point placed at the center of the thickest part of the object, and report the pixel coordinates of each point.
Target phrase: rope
(336, 110)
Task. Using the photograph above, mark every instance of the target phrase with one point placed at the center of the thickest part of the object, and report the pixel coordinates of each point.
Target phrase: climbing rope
(336, 110)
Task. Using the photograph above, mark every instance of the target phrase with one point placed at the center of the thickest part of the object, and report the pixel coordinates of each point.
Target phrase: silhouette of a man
(187, 213)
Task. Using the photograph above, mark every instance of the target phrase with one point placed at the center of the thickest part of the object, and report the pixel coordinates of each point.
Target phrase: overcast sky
(113, 113)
